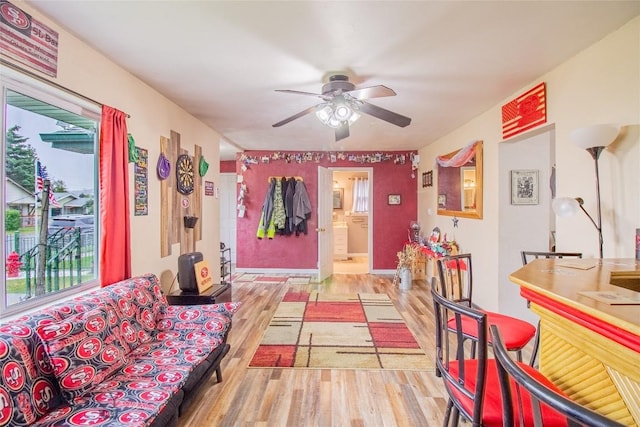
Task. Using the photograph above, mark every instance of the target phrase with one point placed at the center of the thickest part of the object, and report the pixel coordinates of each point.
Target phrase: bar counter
(589, 330)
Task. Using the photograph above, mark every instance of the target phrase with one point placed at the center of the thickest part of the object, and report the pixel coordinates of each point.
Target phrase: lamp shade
(594, 135)
(565, 206)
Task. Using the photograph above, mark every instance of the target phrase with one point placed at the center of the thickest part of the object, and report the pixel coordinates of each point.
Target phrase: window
(360, 195)
(50, 191)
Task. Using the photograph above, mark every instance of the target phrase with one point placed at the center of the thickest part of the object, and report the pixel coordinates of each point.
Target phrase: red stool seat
(454, 264)
(516, 333)
(492, 405)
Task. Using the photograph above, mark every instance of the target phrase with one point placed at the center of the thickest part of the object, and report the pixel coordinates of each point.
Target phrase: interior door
(228, 183)
(325, 226)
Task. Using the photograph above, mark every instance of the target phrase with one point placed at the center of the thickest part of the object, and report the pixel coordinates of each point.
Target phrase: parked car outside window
(68, 222)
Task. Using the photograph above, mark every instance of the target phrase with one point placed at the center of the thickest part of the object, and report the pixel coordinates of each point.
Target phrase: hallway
(352, 265)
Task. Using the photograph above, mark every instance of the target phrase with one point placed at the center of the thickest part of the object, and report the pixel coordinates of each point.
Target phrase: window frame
(49, 93)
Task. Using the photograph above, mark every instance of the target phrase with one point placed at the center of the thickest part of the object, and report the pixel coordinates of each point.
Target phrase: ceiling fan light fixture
(324, 114)
(327, 116)
(334, 114)
(342, 112)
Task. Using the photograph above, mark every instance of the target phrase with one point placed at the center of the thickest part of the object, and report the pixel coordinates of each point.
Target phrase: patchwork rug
(352, 331)
(271, 279)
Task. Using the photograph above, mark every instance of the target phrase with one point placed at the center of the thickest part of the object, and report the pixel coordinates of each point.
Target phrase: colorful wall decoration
(175, 206)
(141, 184)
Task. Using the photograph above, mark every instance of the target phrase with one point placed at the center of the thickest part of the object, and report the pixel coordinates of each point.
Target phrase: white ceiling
(448, 61)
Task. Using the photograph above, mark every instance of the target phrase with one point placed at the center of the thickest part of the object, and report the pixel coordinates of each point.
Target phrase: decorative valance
(460, 158)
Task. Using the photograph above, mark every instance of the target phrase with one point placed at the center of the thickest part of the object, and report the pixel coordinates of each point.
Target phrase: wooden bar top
(583, 284)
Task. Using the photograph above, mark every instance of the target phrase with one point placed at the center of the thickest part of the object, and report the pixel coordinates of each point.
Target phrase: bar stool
(471, 380)
(528, 396)
(528, 256)
(456, 282)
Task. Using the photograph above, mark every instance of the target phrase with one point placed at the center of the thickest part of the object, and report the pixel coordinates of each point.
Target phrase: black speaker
(186, 271)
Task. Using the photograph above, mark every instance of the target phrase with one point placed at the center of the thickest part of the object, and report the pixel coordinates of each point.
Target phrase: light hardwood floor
(319, 397)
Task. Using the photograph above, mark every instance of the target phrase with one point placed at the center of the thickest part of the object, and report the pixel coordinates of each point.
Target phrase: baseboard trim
(276, 271)
(312, 273)
(384, 272)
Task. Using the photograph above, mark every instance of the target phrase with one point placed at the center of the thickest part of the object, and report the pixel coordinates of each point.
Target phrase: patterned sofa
(119, 355)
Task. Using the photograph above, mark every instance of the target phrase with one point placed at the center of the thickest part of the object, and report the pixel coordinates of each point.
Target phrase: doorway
(524, 227)
(352, 219)
(228, 222)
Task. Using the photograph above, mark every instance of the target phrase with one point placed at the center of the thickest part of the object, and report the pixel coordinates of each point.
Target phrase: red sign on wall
(208, 188)
(27, 40)
(525, 112)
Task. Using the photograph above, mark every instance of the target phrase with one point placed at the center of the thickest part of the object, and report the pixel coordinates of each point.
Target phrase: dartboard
(184, 174)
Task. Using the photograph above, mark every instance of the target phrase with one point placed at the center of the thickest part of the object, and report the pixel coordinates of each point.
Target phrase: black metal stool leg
(536, 346)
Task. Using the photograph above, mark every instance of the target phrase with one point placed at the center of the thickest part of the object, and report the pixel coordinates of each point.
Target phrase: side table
(214, 295)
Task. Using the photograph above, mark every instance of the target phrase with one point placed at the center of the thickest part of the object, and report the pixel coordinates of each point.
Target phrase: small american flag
(41, 176)
(525, 112)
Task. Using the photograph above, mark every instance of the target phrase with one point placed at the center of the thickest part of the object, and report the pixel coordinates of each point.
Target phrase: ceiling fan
(343, 103)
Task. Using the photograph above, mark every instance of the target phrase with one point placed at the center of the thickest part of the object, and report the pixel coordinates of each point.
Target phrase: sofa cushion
(84, 351)
(226, 308)
(194, 322)
(117, 405)
(139, 301)
(136, 302)
(28, 387)
(148, 293)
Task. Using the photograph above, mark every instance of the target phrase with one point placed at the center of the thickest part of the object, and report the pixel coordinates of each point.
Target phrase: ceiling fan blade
(298, 92)
(342, 132)
(296, 116)
(371, 92)
(386, 115)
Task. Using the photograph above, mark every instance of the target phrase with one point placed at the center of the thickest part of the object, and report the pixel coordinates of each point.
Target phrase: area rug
(271, 279)
(352, 331)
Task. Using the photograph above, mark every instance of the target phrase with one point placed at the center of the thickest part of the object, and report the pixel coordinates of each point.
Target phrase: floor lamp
(594, 139)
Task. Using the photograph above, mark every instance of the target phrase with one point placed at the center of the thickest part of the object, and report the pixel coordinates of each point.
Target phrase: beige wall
(599, 85)
(86, 71)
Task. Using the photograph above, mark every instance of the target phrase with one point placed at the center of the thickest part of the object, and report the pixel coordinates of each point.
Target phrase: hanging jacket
(288, 203)
(266, 225)
(301, 208)
(285, 185)
(279, 214)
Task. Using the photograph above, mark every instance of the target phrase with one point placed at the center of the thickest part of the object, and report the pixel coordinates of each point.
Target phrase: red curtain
(115, 248)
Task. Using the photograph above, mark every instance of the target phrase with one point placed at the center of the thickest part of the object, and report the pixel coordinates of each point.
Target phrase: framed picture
(338, 196)
(427, 179)
(393, 199)
(524, 187)
(442, 200)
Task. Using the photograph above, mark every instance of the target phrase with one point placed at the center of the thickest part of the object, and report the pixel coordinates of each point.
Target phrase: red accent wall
(227, 166)
(390, 222)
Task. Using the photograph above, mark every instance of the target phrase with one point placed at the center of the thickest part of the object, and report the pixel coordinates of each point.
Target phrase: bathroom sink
(626, 279)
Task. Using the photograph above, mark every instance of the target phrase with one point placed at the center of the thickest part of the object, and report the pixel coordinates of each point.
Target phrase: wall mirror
(460, 182)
